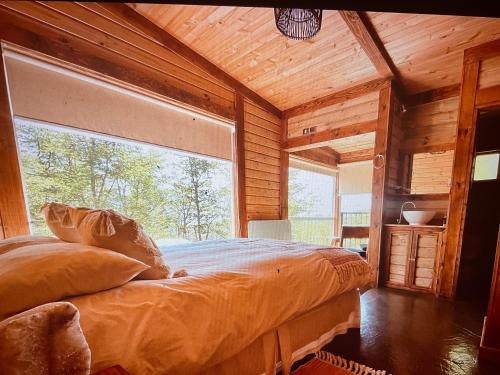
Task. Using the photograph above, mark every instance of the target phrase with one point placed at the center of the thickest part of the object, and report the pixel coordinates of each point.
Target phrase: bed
(245, 307)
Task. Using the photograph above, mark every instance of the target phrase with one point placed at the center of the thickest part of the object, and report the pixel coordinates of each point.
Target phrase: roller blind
(49, 93)
(355, 178)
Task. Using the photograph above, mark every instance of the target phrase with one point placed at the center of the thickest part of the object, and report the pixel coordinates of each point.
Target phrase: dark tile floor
(409, 334)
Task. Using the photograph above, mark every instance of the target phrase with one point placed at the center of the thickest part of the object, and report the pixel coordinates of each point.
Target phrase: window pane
(486, 167)
(175, 196)
(311, 206)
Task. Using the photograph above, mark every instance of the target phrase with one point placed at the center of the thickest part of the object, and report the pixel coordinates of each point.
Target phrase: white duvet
(235, 291)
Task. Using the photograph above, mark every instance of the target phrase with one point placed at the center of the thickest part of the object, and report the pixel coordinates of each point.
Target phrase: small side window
(486, 166)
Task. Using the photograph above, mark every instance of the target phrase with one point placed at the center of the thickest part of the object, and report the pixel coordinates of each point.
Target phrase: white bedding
(235, 291)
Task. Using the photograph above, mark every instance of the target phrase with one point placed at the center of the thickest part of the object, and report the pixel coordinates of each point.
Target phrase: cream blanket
(235, 291)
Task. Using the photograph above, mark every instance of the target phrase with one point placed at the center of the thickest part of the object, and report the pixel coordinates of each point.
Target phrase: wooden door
(398, 249)
(422, 261)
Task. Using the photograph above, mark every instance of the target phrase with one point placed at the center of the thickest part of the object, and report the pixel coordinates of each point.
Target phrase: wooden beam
(380, 176)
(138, 21)
(354, 156)
(323, 137)
(434, 95)
(488, 97)
(36, 36)
(370, 42)
(321, 155)
(482, 52)
(337, 97)
(432, 148)
(460, 180)
(284, 166)
(239, 104)
(14, 216)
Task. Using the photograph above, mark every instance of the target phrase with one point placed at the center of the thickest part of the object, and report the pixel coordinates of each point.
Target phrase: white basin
(418, 217)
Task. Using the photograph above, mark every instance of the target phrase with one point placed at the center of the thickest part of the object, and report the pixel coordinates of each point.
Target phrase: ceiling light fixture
(298, 23)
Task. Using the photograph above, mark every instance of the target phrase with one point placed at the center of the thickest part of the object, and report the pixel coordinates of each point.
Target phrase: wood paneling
(431, 173)
(433, 95)
(431, 126)
(245, 43)
(264, 164)
(14, 216)
(321, 155)
(354, 156)
(355, 143)
(428, 49)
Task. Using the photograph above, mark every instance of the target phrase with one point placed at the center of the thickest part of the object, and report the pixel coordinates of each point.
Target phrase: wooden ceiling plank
(324, 137)
(365, 33)
(182, 49)
(338, 97)
(355, 156)
(322, 155)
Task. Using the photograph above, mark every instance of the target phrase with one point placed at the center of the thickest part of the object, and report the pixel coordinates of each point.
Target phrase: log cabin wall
(105, 41)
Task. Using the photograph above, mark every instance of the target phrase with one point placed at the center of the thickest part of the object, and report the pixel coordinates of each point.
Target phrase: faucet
(402, 208)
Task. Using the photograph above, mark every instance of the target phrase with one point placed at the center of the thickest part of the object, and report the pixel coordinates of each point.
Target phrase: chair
(353, 232)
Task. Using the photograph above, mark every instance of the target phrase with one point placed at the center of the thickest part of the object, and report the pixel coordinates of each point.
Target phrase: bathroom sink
(418, 217)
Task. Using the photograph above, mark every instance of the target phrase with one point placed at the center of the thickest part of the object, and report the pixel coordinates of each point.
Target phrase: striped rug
(329, 364)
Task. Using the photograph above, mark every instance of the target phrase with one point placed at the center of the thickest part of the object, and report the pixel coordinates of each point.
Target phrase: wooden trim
(488, 97)
(354, 156)
(28, 33)
(432, 148)
(322, 138)
(482, 52)
(239, 106)
(434, 95)
(370, 42)
(284, 167)
(12, 204)
(380, 176)
(423, 197)
(322, 155)
(460, 181)
(130, 16)
(337, 97)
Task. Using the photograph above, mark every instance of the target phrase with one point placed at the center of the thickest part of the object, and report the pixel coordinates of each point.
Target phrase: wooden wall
(114, 46)
(431, 172)
(262, 163)
(357, 110)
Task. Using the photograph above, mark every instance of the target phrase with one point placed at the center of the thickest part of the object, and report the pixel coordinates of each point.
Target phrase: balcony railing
(316, 230)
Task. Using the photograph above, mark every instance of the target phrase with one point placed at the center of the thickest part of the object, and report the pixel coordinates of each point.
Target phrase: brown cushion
(44, 340)
(13, 243)
(63, 220)
(38, 274)
(111, 230)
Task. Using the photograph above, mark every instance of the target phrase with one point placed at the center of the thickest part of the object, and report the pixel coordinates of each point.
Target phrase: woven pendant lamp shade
(298, 23)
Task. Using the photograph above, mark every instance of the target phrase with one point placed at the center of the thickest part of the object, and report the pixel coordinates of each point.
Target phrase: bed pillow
(38, 274)
(45, 340)
(13, 243)
(63, 220)
(111, 230)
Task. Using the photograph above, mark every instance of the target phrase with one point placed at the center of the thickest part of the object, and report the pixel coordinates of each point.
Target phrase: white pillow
(38, 274)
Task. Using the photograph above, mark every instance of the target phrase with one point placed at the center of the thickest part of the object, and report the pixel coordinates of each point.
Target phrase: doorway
(483, 211)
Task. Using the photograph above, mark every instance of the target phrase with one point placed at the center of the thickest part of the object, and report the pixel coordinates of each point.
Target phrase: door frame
(472, 99)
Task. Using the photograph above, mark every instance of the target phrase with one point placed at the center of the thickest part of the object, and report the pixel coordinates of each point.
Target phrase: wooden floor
(406, 334)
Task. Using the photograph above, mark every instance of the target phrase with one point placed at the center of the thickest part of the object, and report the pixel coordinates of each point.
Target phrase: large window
(175, 196)
(311, 205)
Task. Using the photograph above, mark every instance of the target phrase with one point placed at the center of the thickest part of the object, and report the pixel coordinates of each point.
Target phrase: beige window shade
(355, 178)
(48, 93)
(312, 167)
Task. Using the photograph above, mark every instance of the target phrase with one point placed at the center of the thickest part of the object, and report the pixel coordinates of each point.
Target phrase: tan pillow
(111, 230)
(63, 220)
(33, 275)
(45, 340)
(20, 241)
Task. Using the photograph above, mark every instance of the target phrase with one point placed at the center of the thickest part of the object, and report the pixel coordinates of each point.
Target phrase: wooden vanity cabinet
(412, 257)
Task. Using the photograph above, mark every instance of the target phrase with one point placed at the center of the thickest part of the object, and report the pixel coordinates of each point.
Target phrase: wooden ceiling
(426, 49)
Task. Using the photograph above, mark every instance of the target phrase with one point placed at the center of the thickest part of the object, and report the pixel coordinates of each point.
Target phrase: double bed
(246, 306)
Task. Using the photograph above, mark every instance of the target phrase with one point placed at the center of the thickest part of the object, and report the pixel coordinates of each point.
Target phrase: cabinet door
(422, 264)
(398, 252)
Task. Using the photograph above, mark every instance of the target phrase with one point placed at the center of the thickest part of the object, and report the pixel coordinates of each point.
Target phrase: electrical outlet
(312, 129)
(305, 131)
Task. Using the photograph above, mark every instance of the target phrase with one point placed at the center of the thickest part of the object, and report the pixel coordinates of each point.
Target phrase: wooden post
(380, 175)
(284, 164)
(460, 179)
(12, 206)
(241, 197)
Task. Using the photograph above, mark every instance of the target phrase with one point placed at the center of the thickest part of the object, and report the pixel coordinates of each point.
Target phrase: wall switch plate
(305, 131)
